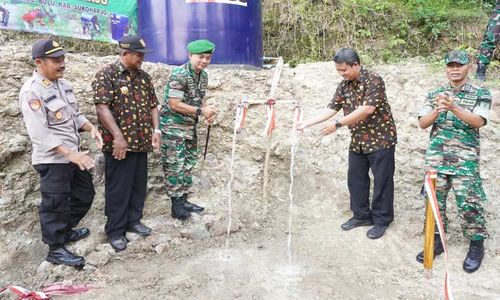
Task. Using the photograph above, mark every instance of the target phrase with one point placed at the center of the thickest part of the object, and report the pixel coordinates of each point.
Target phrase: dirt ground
(195, 259)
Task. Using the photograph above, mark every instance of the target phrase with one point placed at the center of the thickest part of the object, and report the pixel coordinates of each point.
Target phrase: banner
(235, 2)
(100, 20)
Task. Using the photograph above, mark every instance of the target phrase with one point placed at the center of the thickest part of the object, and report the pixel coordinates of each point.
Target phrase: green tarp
(101, 20)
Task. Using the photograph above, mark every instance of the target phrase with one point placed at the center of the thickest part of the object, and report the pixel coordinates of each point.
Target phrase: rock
(162, 248)
(44, 270)
(199, 232)
(219, 228)
(98, 258)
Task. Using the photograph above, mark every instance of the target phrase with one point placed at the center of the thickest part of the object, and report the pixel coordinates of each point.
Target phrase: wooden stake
(274, 86)
(429, 232)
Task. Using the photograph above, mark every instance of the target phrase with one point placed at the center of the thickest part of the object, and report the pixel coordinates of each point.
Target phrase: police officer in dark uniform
(53, 122)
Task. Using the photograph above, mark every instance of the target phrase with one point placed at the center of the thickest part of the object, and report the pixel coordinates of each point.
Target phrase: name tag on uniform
(50, 98)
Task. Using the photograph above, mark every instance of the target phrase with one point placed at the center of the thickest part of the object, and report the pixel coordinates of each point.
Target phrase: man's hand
(81, 159)
(328, 129)
(156, 141)
(209, 113)
(96, 135)
(120, 146)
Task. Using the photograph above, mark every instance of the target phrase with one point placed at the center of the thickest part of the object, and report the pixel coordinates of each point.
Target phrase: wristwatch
(338, 125)
(198, 111)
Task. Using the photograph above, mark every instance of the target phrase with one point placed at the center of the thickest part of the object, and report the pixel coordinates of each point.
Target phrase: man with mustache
(53, 121)
(183, 105)
(367, 113)
(456, 111)
(126, 106)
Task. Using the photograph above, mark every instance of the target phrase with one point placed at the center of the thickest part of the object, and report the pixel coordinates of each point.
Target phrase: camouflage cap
(459, 56)
(201, 46)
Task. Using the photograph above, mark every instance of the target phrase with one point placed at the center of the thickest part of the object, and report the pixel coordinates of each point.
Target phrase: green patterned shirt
(454, 146)
(190, 87)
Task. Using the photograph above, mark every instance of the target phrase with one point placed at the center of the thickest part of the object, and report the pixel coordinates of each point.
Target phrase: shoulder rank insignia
(46, 82)
(35, 104)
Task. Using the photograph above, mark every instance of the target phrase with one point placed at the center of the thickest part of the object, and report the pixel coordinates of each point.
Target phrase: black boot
(62, 256)
(481, 72)
(438, 249)
(178, 209)
(474, 257)
(191, 207)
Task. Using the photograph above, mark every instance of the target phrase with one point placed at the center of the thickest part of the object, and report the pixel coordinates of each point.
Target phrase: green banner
(100, 20)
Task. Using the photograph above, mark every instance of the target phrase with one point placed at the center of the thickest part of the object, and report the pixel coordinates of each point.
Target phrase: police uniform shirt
(51, 116)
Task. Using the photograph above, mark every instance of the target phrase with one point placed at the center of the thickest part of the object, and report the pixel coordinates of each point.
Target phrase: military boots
(178, 209)
(481, 72)
(474, 257)
(191, 207)
(438, 249)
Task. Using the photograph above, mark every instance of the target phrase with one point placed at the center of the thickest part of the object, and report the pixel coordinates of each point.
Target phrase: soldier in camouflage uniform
(183, 105)
(490, 41)
(456, 111)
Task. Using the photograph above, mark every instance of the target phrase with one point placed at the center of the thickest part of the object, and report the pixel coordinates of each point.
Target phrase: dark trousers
(382, 165)
(125, 191)
(67, 194)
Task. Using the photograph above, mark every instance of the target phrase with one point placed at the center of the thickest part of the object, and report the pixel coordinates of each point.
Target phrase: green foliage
(387, 30)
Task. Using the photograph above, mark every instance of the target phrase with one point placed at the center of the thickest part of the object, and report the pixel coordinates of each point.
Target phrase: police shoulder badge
(35, 104)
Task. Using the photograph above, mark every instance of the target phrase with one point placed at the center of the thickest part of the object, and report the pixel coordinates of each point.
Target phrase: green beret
(201, 46)
(459, 56)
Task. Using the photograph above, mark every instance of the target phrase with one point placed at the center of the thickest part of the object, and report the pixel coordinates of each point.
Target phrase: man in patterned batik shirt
(361, 95)
(126, 106)
(456, 111)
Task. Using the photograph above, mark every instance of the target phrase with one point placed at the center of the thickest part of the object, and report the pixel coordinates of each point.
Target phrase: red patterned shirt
(130, 97)
(377, 131)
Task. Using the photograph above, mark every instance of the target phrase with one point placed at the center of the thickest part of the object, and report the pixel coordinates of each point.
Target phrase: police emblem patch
(59, 115)
(124, 90)
(35, 104)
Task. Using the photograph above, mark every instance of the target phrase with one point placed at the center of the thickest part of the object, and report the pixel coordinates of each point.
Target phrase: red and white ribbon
(50, 290)
(297, 117)
(431, 193)
(271, 118)
(241, 113)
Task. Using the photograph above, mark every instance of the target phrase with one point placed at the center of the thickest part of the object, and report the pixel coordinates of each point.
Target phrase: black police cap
(46, 48)
(133, 43)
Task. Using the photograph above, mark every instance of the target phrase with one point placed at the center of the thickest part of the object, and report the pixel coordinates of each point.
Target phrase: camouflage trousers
(470, 197)
(179, 155)
(491, 37)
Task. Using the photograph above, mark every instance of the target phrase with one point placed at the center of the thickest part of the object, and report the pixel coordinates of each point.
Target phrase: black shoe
(438, 249)
(376, 231)
(353, 223)
(191, 207)
(474, 257)
(118, 243)
(140, 229)
(481, 72)
(178, 209)
(77, 234)
(62, 256)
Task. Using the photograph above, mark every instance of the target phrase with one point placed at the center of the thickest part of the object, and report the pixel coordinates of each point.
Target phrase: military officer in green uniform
(182, 108)
(490, 41)
(456, 111)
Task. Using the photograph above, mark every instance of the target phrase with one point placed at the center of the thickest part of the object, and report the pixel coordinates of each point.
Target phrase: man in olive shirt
(126, 106)
(368, 115)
